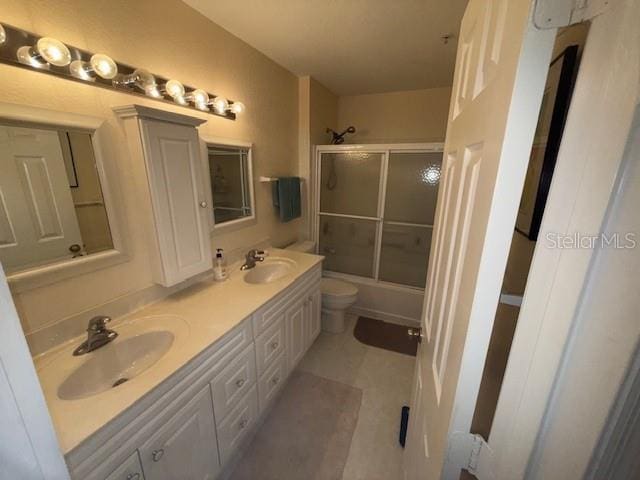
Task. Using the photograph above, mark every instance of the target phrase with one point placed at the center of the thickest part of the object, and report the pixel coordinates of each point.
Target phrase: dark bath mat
(385, 335)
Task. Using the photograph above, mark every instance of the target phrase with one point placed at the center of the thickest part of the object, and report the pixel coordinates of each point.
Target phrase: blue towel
(286, 197)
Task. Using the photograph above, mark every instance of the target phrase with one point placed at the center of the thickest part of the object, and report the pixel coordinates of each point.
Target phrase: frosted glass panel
(348, 244)
(405, 254)
(349, 183)
(412, 187)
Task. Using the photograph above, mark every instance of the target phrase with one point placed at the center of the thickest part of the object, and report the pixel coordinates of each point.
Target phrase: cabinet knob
(157, 454)
(274, 345)
(240, 382)
(275, 380)
(133, 476)
(243, 423)
(203, 204)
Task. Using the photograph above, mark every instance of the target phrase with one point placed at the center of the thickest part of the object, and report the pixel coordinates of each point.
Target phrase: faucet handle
(98, 323)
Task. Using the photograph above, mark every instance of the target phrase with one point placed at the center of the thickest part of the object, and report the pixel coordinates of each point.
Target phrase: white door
(500, 73)
(186, 447)
(38, 220)
(177, 194)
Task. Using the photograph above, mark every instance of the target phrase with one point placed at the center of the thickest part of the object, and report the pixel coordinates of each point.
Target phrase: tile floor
(385, 379)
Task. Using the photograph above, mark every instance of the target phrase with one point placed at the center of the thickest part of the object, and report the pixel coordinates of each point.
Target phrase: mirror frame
(205, 141)
(46, 274)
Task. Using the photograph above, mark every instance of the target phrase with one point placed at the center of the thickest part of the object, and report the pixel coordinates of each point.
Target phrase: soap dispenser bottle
(220, 266)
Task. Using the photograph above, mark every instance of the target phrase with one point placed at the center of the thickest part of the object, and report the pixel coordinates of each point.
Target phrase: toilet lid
(337, 288)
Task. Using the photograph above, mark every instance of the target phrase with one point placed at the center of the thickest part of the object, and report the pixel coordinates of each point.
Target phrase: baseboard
(384, 316)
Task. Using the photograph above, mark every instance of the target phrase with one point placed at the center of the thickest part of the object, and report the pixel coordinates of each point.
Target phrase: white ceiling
(350, 46)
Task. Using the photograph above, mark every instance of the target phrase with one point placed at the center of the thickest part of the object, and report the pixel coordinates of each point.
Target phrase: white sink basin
(142, 343)
(115, 364)
(270, 270)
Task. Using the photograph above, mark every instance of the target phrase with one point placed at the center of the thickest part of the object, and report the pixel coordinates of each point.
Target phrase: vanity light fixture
(100, 64)
(175, 90)
(47, 51)
(220, 104)
(237, 107)
(49, 55)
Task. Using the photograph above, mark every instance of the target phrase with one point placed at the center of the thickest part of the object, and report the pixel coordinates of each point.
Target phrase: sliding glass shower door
(376, 210)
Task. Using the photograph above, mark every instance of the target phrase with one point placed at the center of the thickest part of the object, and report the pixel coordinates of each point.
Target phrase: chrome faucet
(252, 257)
(98, 335)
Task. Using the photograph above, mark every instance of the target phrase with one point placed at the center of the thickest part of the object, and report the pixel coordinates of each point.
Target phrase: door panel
(170, 454)
(38, 220)
(297, 333)
(499, 79)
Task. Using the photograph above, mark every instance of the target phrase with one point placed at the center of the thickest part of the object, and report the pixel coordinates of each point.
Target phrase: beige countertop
(207, 309)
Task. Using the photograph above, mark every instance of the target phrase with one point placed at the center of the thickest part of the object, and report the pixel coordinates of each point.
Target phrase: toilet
(337, 295)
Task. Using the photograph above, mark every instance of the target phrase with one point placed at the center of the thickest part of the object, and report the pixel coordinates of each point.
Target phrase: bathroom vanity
(233, 346)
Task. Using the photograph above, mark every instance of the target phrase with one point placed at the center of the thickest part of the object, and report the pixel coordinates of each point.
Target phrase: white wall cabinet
(201, 424)
(168, 146)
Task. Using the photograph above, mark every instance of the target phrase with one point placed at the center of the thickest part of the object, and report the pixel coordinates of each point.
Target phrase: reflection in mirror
(231, 183)
(51, 202)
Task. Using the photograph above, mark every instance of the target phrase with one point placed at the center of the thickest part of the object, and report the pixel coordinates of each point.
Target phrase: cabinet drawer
(129, 470)
(272, 381)
(238, 423)
(275, 309)
(271, 344)
(184, 448)
(234, 382)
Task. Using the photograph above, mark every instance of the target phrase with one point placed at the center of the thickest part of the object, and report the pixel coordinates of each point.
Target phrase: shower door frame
(385, 149)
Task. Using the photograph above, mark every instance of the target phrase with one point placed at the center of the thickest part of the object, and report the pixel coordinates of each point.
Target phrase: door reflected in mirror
(51, 201)
(231, 183)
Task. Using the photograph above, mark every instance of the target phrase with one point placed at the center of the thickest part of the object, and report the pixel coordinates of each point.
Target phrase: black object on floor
(404, 422)
(385, 335)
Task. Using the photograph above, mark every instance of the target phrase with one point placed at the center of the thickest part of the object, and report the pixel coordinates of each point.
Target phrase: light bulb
(152, 91)
(237, 107)
(104, 66)
(81, 70)
(141, 78)
(54, 51)
(175, 90)
(200, 97)
(3, 35)
(220, 104)
(28, 56)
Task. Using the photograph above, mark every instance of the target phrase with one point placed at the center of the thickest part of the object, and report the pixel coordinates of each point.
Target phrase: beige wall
(318, 109)
(173, 40)
(411, 116)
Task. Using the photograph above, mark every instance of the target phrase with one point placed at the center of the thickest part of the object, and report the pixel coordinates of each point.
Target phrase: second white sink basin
(115, 364)
(270, 270)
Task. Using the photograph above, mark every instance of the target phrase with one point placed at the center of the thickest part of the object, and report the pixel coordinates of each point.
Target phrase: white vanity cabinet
(167, 145)
(198, 422)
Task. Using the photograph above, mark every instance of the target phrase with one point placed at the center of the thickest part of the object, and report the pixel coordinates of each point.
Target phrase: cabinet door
(313, 315)
(129, 470)
(184, 448)
(296, 329)
(179, 202)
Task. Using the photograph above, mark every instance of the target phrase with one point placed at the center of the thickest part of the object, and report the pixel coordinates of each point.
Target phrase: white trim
(27, 436)
(232, 225)
(54, 272)
(382, 147)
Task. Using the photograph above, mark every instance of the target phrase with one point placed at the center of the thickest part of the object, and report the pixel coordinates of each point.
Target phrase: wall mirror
(231, 179)
(55, 220)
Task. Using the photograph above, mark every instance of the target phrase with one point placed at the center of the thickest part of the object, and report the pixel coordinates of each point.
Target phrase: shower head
(338, 138)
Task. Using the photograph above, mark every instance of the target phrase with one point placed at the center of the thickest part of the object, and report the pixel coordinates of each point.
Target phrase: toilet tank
(306, 246)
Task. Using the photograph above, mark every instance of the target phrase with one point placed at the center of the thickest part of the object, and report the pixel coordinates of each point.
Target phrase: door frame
(30, 439)
(590, 156)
